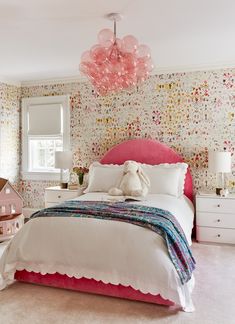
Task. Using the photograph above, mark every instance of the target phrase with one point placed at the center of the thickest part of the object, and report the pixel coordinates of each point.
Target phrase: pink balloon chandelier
(116, 64)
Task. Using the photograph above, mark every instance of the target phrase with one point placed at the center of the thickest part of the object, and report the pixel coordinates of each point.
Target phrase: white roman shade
(45, 119)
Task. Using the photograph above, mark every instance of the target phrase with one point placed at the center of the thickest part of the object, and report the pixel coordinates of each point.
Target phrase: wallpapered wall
(10, 132)
(190, 112)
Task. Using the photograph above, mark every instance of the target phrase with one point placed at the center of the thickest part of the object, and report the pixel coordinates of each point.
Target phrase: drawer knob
(218, 235)
(218, 205)
(218, 220)
(59, 196)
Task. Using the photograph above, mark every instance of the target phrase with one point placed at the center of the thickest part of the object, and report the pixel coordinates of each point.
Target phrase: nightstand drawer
(59, 196)
(216, 220)
(217, 235)
(214, 205)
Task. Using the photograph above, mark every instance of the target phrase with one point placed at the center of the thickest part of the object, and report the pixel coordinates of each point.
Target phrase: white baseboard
(27, 212)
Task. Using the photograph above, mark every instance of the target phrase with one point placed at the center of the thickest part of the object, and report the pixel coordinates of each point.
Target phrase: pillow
(166, 178)
(103, 177)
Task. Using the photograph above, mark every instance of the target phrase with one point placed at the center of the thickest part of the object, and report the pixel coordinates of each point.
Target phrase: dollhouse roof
(4, 182)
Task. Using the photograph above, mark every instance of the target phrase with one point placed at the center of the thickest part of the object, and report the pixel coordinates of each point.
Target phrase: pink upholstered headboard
(149, 152)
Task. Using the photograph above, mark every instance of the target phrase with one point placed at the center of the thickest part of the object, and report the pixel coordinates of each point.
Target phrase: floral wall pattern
(10, 132)
(190, 112)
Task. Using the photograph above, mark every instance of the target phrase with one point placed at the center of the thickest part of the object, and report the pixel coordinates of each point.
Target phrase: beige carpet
(214, 299)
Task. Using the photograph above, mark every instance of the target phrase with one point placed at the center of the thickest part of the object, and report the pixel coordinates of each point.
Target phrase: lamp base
(218, 190)
(64, 185)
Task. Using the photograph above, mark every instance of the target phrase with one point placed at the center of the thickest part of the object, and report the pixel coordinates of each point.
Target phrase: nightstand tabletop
(57, 188)
(214, 196)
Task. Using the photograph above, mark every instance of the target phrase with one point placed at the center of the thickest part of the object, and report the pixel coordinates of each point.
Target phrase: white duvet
(111, 251)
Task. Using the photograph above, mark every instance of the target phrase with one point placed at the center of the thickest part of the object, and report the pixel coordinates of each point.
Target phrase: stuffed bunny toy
(134, 181)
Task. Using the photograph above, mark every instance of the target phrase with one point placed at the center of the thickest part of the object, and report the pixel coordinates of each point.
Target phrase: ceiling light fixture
(116, 64)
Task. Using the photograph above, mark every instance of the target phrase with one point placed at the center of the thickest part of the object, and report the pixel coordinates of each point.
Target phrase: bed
(44, 251)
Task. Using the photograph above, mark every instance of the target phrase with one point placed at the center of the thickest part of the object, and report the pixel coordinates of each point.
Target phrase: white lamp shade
(63, 159)
(219, 161)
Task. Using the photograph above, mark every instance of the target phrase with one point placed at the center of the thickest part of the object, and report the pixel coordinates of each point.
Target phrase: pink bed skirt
(89, 285)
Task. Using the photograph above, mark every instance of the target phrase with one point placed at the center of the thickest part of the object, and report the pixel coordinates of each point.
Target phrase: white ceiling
(45, 38)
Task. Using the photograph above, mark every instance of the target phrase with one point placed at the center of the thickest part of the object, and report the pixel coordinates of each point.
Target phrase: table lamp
(220, 163)
(63, 161)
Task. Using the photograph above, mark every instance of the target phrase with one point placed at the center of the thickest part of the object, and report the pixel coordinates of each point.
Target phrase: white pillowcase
(103, 177)
(166, 178)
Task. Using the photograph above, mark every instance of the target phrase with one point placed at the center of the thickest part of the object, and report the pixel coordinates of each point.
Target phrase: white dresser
(56, 195)
(215, 218)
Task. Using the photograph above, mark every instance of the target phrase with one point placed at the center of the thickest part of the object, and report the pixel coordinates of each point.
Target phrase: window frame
(64, 101)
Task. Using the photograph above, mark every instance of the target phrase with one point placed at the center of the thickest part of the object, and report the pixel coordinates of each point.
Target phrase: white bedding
(182, 208)
(111, 251)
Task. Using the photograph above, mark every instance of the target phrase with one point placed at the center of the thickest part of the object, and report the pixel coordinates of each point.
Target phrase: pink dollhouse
(11, 203)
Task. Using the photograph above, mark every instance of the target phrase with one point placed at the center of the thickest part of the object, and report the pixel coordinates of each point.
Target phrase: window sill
(40, 176)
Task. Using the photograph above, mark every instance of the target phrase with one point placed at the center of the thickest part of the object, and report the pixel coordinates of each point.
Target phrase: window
(13, 208)
(45, 128)
(3, 209)
(42, 153)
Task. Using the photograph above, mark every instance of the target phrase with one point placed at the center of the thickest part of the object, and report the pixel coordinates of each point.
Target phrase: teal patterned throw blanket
(158, 220)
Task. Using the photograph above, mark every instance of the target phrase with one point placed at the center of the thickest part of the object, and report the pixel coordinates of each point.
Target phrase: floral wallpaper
(10, 132)
(190, 112)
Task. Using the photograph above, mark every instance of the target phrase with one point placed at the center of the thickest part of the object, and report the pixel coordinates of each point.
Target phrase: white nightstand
(215, 218)
(56, 195)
